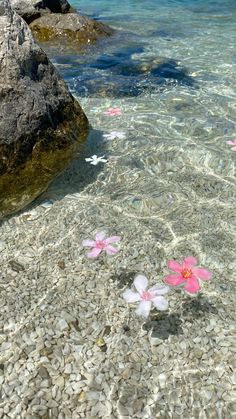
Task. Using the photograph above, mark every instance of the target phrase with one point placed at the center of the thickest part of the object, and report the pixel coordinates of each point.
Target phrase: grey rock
(32, 9)
(41, 124)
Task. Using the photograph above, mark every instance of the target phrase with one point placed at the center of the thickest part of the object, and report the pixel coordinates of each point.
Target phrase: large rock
(41, 124)
(32, 9)
(56, 20)
(71, 26)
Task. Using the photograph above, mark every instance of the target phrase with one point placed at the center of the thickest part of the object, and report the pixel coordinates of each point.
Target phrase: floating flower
(114, 134)
(233, 143)
(146, 297)
(101, 243)
(113, 112)
(95, 159)
(187, 274)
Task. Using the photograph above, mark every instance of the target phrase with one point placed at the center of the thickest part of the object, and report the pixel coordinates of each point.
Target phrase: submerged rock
(41, 124)
(73, 27)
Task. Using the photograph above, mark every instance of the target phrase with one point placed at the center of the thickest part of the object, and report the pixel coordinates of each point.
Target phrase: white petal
(160, 303)
(160, 289)
(130, 296)
(88, 159)
(144, 308)
(140, 283)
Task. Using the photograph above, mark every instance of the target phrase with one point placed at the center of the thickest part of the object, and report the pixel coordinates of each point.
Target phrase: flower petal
(160, 289)
(88, 242)
(174, 279)
(190, 261)
(140, 283)
(202, 273)
(174, 266)
(144, 308)
(94, 252)
(113, 239)
(110, 250)
(192, 286)
(100, 236)
(130, 296)
(160, 303)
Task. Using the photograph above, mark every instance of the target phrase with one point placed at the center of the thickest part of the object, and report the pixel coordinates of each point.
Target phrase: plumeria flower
(95, 159)
(146, 297)
(187, 274)
(113, 112)
(115, 134)
(101, 243)
(233, 143)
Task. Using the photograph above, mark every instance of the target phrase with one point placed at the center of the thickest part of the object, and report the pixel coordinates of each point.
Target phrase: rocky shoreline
(41, 124)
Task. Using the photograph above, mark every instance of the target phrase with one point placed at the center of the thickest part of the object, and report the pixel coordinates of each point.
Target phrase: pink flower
(187, 274)
(113, 112)
(233, 143)
(146, 297)
(101, 243)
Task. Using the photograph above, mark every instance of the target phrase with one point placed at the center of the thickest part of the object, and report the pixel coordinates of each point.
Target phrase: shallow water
(171, 69)
(168, 188)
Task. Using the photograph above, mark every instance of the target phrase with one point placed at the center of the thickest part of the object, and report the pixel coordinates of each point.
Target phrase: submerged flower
(113, 112)
(95, 159)
(146, 297)
(233, 143)
(187, 274)
(114, 134)
(101, 243)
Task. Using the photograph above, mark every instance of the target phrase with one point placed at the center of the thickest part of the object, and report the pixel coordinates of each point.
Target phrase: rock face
(41, 125)
(71, 26)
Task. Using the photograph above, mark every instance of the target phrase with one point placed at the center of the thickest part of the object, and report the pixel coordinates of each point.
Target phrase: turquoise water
(171, 68)
(168, 189)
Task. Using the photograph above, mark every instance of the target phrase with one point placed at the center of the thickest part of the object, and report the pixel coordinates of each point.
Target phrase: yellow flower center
(187, 273)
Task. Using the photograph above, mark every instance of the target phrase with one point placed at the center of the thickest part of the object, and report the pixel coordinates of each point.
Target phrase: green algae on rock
(72, 27)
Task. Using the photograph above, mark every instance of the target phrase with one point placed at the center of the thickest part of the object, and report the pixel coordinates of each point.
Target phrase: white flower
(95, 159)
(146, 297)
(114, 134)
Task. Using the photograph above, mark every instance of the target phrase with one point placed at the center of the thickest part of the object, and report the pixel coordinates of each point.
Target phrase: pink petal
(160, 289)
(140, 283)
(233, 142)
(190, 261)
(174, 266)
(94, 252)
(100, 236)
(174, 280)
(144, 308)
(202, 273)
(110, 250)
(192, 286)
(90, 243)
(130, 296)
(160, 303)
(113, 239)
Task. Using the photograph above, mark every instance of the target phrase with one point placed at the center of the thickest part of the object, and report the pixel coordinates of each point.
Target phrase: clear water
(174, 166)
(168, 189)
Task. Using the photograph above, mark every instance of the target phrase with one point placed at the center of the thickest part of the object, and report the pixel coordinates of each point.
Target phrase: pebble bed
(70, 347)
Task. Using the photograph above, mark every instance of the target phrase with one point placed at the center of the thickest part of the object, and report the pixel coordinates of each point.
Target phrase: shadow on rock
(163, 325)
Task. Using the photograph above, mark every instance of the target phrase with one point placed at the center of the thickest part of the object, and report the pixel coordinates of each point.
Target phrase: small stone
(62, 325)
